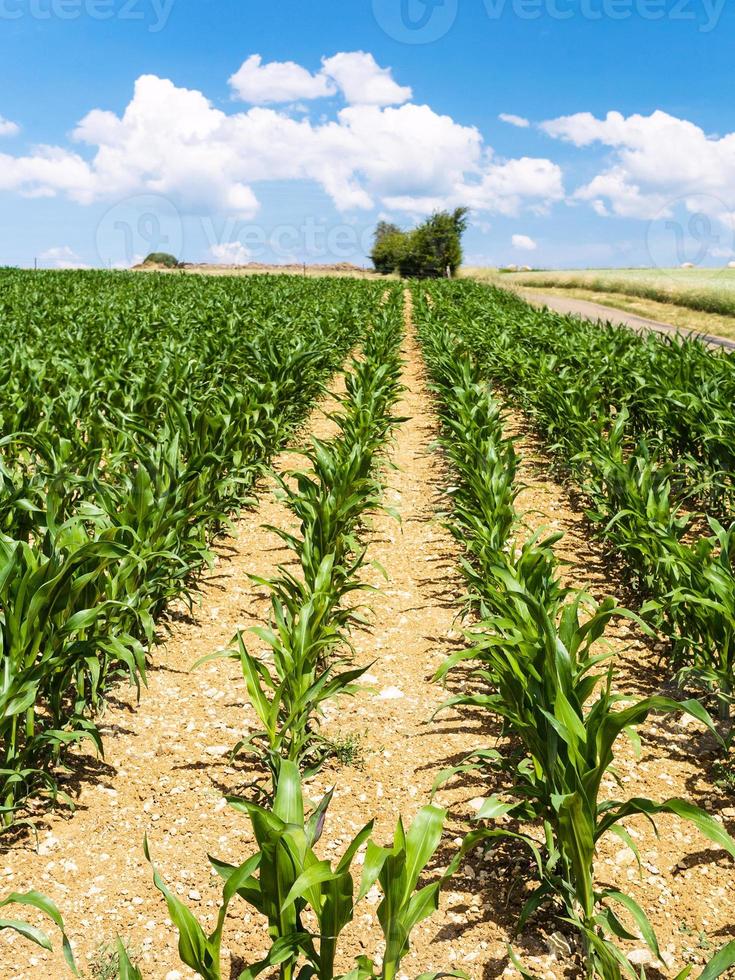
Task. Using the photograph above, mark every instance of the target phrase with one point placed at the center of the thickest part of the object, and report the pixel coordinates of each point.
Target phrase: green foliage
(538, 669)
(32, 933)
(432, 250)
(308, 637)
(643, 426)
(387, 245)
(162, 258)
(285, 881)
(135, 416)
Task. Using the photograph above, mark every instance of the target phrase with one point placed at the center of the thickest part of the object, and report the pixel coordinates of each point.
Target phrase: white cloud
(659, 162)
(8, 128)
(625, 197)
(173, 142)
(62, 257)
(505, 187)
(363, 82)
(518, 121)
(524, 243)
(47, 171)
(230, 253)
(355, 74)
(277, 81)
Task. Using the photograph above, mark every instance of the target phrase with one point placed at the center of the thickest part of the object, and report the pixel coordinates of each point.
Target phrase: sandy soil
(166, 769)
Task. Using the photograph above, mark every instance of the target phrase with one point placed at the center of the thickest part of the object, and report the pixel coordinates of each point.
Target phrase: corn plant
(551, 695)
(308, 636)
(285, 879)
(305, 641)
(135, 418)
(640, 426)
(50, 631)
(539, 671)
(36, 900)
(708, 605)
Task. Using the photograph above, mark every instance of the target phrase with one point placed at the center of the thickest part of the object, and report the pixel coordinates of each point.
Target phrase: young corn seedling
(140, 416)
(538, 672)
(36, 900)
(329, 502)
(49, 631)
(707, 605)
(288, 884)
(552, 696)
(308, 635)
(642, 426)
(306, 671)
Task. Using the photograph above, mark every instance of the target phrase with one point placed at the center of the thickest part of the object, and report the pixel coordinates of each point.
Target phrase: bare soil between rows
(166, 769)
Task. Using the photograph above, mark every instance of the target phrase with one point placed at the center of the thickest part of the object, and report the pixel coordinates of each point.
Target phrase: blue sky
(293, 158)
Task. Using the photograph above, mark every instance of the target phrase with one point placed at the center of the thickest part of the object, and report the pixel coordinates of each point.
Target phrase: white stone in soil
(641, 957)
(624, 856)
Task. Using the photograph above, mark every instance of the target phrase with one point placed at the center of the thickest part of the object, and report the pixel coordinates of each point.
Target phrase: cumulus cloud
(174, 142)
(518, 121)
(524, 243)
(363, 82)
(354, 74)
(230, 253)
(506, 186)
(62, 257)
(47, 171)
(277, 81)
(659, 162)
(8, 128)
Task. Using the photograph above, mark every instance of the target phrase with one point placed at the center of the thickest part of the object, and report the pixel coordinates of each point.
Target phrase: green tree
(389, 242)
(162, 258)
(432, 250)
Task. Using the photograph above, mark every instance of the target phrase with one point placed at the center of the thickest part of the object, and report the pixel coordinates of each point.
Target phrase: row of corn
(135, 415)
(536, 665)
(308, 901)
(644, 428)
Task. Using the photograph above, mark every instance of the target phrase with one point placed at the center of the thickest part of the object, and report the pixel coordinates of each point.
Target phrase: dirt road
(596, 311)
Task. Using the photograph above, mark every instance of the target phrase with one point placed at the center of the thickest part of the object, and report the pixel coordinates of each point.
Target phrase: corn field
(142, 418)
